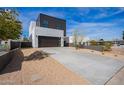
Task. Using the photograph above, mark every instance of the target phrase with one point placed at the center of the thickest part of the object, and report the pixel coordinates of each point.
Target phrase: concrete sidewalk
(95, 68)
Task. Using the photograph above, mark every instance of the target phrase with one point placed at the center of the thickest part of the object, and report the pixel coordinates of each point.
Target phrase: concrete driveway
(95, 68)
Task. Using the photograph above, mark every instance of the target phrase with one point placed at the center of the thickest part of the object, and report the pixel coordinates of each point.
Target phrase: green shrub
(93, 42)
(107, 46)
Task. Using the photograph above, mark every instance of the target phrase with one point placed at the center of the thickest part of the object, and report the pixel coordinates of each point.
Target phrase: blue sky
(94, 23)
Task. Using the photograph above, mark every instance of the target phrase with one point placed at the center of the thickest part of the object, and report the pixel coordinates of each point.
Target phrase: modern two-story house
(47, 31)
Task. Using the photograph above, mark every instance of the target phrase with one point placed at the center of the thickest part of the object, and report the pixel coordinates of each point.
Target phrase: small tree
(80, 39)
(77, 39)
(101, 42)
(10, 26)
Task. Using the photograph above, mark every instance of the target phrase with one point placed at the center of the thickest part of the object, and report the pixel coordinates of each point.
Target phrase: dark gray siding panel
(52, 22)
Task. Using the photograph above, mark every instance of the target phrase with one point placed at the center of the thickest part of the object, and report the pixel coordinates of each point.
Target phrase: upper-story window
(45, 23)
(59, 26)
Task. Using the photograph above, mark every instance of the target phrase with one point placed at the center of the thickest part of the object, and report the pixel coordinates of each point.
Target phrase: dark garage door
(44, 41)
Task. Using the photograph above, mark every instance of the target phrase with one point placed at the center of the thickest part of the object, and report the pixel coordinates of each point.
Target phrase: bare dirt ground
(119, 51)
(115, 53)
(37, 69)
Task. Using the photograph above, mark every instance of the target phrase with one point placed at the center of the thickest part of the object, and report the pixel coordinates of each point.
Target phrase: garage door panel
(48, 41)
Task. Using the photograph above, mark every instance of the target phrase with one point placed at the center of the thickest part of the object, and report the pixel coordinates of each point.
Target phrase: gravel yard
(37, 70)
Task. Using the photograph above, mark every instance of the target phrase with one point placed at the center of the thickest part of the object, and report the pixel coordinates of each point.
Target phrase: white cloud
(96, 30)
(96, 24)
(104, 12)
(91, 26)
(100, 12)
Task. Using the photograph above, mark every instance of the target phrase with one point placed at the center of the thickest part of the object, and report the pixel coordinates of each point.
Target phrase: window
(59, 26)
(45, 23)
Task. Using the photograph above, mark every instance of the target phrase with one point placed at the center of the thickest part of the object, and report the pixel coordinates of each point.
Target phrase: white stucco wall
(32, 27)
(70, 39)
(32, 34)
(42, 31)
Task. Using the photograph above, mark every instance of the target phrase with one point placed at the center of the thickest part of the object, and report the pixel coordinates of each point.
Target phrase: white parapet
(42, 31)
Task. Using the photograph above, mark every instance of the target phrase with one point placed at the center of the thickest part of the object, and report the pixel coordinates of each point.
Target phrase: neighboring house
(118, 42)
(80, 39)
(47, 31)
